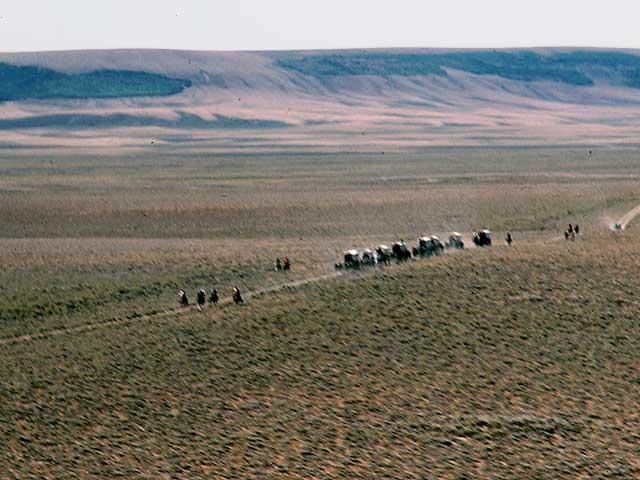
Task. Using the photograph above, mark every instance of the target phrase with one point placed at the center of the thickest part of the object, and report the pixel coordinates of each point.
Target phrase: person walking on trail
(182, 298)
(509, 239)
(237, 296)
(201, 298)
(213, 298)
(287, 264)
(576, 229)
(278, 264)
(570, 232)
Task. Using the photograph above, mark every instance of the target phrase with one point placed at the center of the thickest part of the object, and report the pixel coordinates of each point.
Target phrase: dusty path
(155, 316)
(628, 217)
(624, 221)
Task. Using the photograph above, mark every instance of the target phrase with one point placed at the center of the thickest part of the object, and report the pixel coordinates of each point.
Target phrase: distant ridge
(34, 82)
(361, 99)
(525, 66)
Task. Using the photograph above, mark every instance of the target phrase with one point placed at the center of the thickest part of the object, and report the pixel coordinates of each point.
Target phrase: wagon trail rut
(628, 217)
(625, 220)
(155, 316)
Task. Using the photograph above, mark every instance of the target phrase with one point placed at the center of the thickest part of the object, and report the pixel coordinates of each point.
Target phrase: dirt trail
(155, 316)
(624, 221)
(628, 217)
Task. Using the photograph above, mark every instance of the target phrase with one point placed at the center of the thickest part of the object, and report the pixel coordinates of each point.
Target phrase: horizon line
(302, 50)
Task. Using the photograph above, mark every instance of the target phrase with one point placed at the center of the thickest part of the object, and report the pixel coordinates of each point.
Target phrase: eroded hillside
(360, 100)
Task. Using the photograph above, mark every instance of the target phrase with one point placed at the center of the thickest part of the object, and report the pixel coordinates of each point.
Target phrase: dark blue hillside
(573, 68)
(24, 83)
(79, 121)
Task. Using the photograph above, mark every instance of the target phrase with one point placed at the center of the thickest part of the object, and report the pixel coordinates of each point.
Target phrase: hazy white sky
(302, 24)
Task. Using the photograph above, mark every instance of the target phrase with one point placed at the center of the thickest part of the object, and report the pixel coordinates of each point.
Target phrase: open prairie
(127, 175)
(496, 363)
(84, 239)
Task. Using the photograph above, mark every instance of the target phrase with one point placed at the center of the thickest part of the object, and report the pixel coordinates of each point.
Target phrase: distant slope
(32, 82)
(81, 122)
(578, 68)
(351, 99)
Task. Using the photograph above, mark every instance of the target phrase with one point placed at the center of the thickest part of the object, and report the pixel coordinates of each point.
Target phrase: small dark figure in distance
(202, 298)
(237, 297)
(213, 298)
(182, 298)
(576, 229)
(287, 264)
(278, 264)
(509, 239)
(570, 233)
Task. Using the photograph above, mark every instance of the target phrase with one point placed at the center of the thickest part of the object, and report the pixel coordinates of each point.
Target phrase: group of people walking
(572, 232)
(214, 298)
(283, 265)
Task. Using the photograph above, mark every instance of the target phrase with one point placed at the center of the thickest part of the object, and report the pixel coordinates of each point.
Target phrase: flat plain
(497, 363)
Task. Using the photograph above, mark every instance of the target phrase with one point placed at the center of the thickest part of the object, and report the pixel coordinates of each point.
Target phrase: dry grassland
(502, 363)
(507, 363)
(85, 238)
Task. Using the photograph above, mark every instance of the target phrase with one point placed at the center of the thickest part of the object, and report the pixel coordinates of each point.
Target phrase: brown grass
(488, 364)
(495, 363)
(86, 238)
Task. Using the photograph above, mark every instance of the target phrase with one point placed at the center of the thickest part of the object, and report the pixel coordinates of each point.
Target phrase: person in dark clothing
(237, 296)
(509, 239)
(570, 229)
(576, 229)
(287, 264)
(202, 298)
(278, 264)
(213, 298)
(182, 297)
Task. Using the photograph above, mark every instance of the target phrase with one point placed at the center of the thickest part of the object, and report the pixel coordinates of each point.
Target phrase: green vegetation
(625, 65)
(27, 82)
(363, 64)
(474, 365)
(121, 120)
(87, 239)
(574, 68)
(494, 363)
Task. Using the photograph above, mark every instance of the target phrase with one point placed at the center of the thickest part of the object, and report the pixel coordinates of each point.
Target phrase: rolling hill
(361, 100)
(34, 83)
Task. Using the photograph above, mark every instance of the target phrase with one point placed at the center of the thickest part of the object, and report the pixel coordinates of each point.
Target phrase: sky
(36, 25)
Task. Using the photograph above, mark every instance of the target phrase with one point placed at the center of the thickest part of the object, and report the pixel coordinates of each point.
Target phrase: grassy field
(485, 364)
(508, 363)
(85, 239)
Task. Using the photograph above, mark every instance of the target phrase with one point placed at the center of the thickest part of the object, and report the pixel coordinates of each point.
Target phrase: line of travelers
(572, 232)
(283, 265)
(214, 298)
